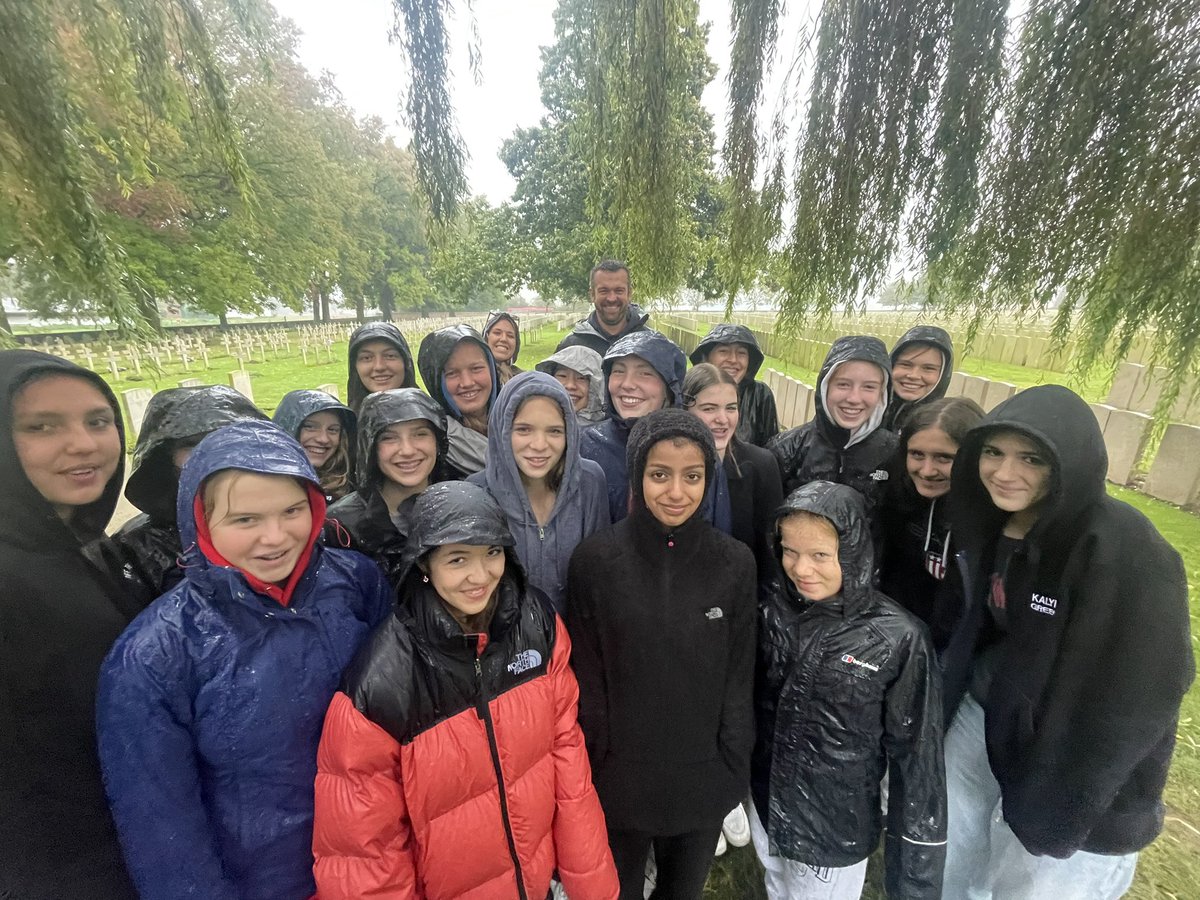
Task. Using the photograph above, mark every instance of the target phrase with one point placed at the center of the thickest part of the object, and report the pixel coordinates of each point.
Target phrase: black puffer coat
(898, 410)
(143, 555)
(356, 391)
(1084, 701)
(821, 450)
(758, 418)
(58, 617)
(362, 521)
(846, 690)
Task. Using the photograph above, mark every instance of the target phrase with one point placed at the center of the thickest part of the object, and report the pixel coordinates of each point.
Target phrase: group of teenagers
(556, 630)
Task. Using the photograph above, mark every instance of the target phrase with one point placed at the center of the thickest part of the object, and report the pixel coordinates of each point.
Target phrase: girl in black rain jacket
(847, 688)
(58, 617)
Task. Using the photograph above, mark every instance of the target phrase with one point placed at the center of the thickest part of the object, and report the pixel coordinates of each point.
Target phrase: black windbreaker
(758, 419)
(58, 617)
(846, 690)
(818, 451)
(361, 520)
(1097, 655)
(588, 333)
(898, 409)
(356, 392)
(143, 555)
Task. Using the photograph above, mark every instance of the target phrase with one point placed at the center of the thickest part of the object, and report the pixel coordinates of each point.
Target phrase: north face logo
(879, 475)
(524, 661)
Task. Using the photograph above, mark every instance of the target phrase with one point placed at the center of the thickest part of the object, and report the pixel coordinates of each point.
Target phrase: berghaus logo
(855, 661)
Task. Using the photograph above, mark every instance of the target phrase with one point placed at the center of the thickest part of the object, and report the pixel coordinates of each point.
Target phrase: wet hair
(334, 473)
(554, 478)
(700, 378)
(953, 415)
(208, 490)
(608, 265)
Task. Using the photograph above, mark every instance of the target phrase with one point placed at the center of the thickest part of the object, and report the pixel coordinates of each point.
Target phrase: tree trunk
(387, 302)
(4, 324)
(149, 309)
(223, 317)
(360, 310)
(314, 293)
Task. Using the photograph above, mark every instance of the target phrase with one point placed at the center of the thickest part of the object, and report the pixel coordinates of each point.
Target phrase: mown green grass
(1169, 869)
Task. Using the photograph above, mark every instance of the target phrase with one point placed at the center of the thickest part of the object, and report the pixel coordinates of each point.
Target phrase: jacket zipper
(485, 713)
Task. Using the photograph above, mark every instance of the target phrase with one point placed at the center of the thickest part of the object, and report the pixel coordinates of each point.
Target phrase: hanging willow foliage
(636, 124)
(145, 54)
(1092, 194)
(420, 29)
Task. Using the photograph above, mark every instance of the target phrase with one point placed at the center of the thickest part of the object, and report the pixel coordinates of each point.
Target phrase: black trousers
(683, 862)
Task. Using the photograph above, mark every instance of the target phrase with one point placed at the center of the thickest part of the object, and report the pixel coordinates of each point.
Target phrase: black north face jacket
(758, 418)
(846, 690)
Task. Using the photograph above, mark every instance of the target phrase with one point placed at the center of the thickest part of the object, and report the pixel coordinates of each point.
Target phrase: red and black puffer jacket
(452, 765)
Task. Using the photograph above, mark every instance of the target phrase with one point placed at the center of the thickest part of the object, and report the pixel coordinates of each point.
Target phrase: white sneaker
(722, 846)
(651, 875)
(736, 827)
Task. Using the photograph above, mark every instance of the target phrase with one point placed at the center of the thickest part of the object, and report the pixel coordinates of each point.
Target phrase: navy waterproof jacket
(580, 505)
(211, 703)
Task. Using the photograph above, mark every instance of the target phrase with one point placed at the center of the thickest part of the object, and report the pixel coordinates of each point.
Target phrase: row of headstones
(1174, 473)
(1139, 388)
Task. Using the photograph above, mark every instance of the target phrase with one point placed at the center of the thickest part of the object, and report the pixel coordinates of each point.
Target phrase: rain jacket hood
(730, 333)
(385, 408)
(844, 509)
(658, 350)
(436, 350)
(173, 416)
(457, 512)
(296, 406)
(852, 348)
(250, 446)
(356, 391)
(933, 336)
(494, 317)
(30, 520)
(1059, 420)
(586, 362)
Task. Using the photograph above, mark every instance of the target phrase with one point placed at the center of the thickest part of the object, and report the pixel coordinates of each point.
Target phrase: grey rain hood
(938, 338)
(852, 348)
(580, 506)
(495, 316)
(174, 417)
(385, 408)
(356, 391)
(586, 362)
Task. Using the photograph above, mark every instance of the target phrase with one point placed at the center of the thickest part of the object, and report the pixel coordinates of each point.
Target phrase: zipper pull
(541, 533)
(481, 705)
(671, 539)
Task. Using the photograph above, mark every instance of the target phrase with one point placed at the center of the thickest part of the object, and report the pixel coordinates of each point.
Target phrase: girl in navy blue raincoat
(211, 703)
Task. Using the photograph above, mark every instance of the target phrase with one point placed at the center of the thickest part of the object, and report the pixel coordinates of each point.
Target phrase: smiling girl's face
(259, 523)
(466, 576)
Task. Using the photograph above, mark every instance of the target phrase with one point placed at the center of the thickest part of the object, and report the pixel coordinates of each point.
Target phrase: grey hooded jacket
(586, 362)
(580, 507)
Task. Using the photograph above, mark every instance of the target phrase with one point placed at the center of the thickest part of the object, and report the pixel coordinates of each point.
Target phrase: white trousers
(787, 879)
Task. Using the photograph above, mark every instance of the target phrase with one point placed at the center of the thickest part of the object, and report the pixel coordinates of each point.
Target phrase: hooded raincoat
(605, 443)
(296, 406)
(821, 450)
(468, 448)
(588, 333)
(451, 764)
(362, 521)
(507, 369)
(580, 506)
(58, 616)
(663, 623)
(356, 391)
(144, 554)
(898, 409)
(211, 703)
(848, 688)
(758, 420)
(588, 363)
(1095, 656)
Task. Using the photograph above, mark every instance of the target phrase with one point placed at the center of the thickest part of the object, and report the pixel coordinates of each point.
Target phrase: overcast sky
(349, 38)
